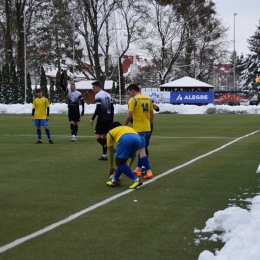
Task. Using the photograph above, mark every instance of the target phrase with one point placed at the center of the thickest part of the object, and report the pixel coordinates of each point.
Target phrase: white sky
(246, 21)
(240, 227)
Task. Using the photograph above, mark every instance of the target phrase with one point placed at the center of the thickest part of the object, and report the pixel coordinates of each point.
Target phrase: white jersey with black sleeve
(105, 111)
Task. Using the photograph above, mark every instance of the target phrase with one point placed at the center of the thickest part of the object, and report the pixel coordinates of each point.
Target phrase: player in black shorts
(105, 113)
(74, 98)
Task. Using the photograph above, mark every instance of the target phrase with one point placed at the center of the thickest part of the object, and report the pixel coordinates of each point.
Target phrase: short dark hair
(133, 87)
(72, 84)
(96, 83)
(114, 125)
(38, 90)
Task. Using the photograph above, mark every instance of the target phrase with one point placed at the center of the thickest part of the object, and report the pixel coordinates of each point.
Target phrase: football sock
(127, 171)
(47, 131)
(72, 127)
(139, 162)
(103, 142)
(39, 134)
(145, 163)
(76, 127)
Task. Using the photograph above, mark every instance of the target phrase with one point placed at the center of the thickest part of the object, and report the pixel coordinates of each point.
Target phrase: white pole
(118, 63)
(73, 47)
(234, 54)
(25, 72)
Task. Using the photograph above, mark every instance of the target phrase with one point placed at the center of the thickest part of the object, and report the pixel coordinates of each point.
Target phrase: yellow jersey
(115, 134)
(141, 107)
(40, 105)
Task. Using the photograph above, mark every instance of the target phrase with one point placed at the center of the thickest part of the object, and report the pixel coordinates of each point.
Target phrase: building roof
(86, 84)
(187, 82)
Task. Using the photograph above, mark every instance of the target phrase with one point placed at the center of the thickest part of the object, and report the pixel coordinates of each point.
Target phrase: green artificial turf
(44, 184)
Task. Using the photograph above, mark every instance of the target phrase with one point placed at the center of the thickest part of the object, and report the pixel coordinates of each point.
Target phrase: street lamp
(24, 33)
(234, 55)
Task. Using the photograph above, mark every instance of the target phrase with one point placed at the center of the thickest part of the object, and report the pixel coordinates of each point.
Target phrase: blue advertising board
(192, 97)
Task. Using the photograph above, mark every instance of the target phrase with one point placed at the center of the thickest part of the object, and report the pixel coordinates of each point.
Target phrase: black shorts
(73, 114)
(102, 127)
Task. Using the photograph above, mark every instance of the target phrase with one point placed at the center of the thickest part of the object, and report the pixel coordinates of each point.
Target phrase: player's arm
(129, 117)
(62, 82)
(98, 107)
(110, 150)
(156, 108)
(33, 112)
(112, 110)
(82, 104)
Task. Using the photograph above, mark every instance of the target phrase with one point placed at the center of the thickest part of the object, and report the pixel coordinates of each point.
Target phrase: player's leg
(101, 130)
(44, 123)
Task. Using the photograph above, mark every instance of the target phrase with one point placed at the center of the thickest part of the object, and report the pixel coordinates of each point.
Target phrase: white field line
(106, 201)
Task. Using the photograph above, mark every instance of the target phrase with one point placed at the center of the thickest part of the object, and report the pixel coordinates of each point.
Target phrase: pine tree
(43, 83)
(21, 88)
(58, 91)
(52, 92)
(29, 94)
(13, 87)
(6, 80)
(1, 88)
(251, 64)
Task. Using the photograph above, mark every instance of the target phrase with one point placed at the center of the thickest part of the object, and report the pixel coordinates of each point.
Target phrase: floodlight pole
(25, 71)
(234, 54)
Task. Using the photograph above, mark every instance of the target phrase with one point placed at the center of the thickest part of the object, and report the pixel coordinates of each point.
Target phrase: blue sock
(145, 163)
(39, 134)
(47, 131)
(127, 171)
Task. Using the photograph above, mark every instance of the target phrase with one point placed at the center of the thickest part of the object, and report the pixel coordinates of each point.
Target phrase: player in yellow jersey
(140, 110)
(128, 143)
(40, 115)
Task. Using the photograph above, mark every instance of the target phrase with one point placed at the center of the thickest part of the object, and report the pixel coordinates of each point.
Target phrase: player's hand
(91, 121)
(82, 113)
(111, 171)
(47, 118)
(32, 118)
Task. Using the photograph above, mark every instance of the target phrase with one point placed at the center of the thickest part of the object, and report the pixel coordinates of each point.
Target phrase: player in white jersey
(105, 113)
(74, 98)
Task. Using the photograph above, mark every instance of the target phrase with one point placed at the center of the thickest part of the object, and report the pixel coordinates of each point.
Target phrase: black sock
(76, 127)
(72, 129)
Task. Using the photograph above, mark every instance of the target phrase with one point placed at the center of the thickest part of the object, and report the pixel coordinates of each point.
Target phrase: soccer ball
(119, 182)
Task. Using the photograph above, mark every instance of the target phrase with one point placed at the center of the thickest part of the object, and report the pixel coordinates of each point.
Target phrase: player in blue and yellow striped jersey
(40, 115)
(128, 143)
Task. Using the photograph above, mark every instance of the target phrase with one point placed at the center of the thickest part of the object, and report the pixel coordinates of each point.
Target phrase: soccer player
(140, 109)
(74, 97)
(105, 113)
(128, 143)
(40, 115)
(157, 109)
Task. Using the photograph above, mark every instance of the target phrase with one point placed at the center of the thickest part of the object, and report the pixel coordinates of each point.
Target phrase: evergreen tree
(13, 87)
(5, 80)
(251, 64)
(52, 92)
(1, 88)
(43, 83)
(21, 88)
(29, 94)
(59, 93)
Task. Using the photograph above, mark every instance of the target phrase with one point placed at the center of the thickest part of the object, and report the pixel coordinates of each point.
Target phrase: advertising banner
(192, 97)
(158, 96)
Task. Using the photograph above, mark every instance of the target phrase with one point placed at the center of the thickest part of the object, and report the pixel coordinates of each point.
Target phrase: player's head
(72, 86)
(139, 86)
(38, 92)
(96, 85)
(132, 90)
(114, 125)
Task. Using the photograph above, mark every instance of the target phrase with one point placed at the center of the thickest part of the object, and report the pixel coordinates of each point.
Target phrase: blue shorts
(40, 122)
(127, 146)
(146, 137)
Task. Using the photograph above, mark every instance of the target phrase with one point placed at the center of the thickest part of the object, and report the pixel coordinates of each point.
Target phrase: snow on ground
(240, 227)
